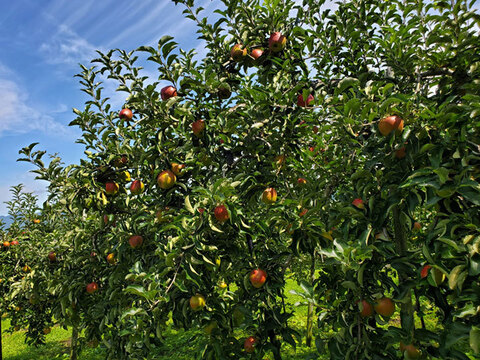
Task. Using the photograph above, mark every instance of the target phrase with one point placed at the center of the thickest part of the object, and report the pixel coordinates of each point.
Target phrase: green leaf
(475, 339)
(188, 205)
(455, 276)
(346, 83)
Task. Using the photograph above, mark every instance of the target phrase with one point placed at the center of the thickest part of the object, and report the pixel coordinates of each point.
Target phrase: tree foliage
(365, 61)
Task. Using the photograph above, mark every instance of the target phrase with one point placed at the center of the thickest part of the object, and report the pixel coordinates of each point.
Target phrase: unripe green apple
(197, 302)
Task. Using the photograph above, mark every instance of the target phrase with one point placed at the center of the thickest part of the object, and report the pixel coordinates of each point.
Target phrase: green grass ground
(179, 345)
(56, 347)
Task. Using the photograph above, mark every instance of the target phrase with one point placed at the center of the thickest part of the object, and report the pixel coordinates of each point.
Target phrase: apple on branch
(198, 127)
(137, 187)
(221, 213)
(389, 124)
(257, 278)
(166, 179)
(126, 114)
(277, 42)
(238, 53)
(168, 92)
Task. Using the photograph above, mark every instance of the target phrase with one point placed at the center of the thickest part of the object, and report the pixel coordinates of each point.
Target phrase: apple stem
(406, 306)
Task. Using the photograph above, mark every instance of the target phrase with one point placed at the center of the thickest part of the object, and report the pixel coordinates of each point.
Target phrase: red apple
(120, 161)
(389, 124)
(412, 351)
(256, 53)
(301, 181)
(6, 243)
(137, 187)
(401, 153)
(384, 307)
(424, 271)
(168, 92)
(166, 179)
(126, 114)
(177, 169)
(367, 308)
(249, 344)
(417, 226)
(315, 129)
(52, 256)
(221, 213)
(258, 278)
(198, 127)
(358, 203)
(111, 188)
(238, 53)
(269, 196)
(14, 242)
(277, 42)
(302, 102)
(135, 241)
(92, 287)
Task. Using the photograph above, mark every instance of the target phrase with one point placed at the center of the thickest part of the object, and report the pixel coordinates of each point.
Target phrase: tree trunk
(310, 305)
(73, 345)
(277, 345)
(406, 307)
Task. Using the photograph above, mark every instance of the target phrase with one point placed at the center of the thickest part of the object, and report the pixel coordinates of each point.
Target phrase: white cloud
(151, 22)
(17, 116)
(66, 47)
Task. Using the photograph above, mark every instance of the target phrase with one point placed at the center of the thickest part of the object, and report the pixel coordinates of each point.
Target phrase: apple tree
(303, 133)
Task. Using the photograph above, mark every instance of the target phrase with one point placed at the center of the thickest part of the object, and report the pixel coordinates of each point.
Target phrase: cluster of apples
(197, 302)
(383, 306)
(6, 244)
(257, 278)
(167, 93)
(276, 44)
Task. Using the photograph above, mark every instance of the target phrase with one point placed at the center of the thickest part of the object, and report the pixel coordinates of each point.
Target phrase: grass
(56, 347)
(179, 344)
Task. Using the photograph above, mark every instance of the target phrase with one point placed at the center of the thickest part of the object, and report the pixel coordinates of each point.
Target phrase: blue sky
(42, 43)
